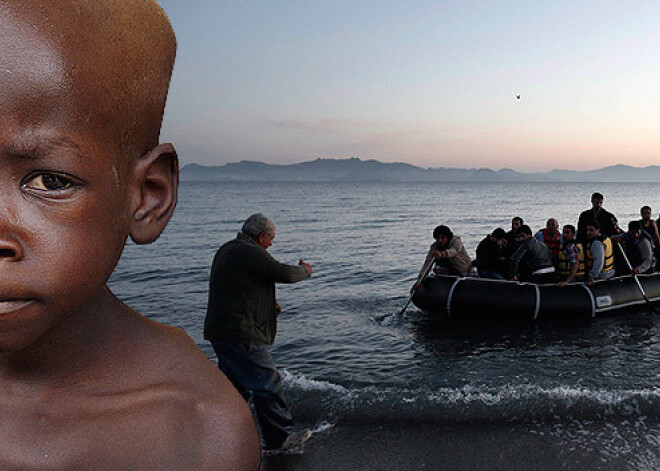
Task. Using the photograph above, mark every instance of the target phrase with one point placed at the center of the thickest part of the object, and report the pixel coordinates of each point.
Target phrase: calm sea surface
(593, 385)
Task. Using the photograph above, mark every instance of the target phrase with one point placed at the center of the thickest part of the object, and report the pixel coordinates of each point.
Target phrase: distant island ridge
(358, 170)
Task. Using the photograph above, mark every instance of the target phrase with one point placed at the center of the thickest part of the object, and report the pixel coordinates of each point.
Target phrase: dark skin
(85, 381)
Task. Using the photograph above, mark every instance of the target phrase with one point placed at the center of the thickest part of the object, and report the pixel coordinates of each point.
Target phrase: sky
(431, 83)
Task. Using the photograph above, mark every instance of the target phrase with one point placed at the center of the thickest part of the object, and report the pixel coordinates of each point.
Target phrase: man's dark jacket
(604, 218)
(493, 257)
(532, 255)
(242, 293)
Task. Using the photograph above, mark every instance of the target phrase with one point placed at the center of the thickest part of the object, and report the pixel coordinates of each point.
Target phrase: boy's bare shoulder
(175, 355)
(220, 426)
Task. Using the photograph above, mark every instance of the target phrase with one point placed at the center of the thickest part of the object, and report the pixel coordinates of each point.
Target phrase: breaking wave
(323, 400)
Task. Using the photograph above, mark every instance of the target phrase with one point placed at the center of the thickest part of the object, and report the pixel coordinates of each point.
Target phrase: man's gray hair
(257, 224)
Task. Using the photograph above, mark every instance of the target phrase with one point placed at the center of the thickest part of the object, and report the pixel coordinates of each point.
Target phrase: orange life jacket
(552, 241)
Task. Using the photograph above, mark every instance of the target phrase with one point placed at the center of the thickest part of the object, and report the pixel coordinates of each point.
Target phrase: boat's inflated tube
(479, 298)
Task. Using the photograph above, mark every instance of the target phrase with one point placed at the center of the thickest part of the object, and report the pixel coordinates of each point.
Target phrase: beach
(459, 447)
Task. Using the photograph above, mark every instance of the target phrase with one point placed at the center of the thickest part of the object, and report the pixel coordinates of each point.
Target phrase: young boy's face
(592, 232)
(568, 234)
(63, 202)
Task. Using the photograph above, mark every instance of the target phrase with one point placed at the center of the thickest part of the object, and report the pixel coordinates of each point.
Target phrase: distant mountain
(357, 170)
(614, 173)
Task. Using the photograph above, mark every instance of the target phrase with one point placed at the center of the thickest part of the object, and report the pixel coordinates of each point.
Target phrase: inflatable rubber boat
(470, 298)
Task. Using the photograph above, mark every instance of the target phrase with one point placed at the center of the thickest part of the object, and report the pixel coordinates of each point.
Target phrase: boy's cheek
(74, 278)
(75, 251)
(98, 216)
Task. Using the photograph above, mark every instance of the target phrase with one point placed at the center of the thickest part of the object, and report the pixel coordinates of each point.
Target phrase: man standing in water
(241, 321)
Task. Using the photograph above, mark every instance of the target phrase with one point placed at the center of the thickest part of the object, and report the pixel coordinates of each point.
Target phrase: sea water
(591, 385)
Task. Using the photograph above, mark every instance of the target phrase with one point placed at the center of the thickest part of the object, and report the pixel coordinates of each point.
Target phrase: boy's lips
(7, 306)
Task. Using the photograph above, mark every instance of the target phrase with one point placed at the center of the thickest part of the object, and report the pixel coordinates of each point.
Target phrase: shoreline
(404, 447)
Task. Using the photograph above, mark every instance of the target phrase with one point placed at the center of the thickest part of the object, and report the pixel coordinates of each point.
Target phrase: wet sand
(417, 446)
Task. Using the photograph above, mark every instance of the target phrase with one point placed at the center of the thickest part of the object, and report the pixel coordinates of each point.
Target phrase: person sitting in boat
(605, 219)
(533, 259)
(638, 249)
(650, 227)
(571, 266)
(599, 254)
(617, 229)
(551, 237)
(492, 260)
(512, 243)
(447, 254)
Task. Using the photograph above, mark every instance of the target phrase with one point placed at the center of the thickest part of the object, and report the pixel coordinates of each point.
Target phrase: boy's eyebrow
(42, 147)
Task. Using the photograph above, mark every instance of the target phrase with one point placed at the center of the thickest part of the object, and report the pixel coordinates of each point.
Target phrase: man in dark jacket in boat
(638, 248)
(241, 321)
(533, 259)
(650, 227)
(492, 260)
(606, 220)
(512, 243)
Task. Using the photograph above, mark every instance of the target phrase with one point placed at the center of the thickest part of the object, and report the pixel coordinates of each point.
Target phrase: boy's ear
(155, 185)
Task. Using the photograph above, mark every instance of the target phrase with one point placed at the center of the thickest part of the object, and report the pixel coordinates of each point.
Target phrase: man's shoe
(295, 439)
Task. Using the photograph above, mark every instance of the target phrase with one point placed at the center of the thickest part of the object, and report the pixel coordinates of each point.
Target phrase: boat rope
(538, 301)
(593, 301)
(451, 294)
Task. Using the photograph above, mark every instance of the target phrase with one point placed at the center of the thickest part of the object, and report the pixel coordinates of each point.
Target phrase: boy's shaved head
(98, 66)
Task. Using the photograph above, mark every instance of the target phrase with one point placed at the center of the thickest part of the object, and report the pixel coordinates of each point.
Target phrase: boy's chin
(24, 324)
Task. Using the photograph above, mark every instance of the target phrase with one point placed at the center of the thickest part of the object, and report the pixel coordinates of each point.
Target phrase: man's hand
(414, 287)
(561, 284)
(439, 254)
(307, 266)
(278, 308)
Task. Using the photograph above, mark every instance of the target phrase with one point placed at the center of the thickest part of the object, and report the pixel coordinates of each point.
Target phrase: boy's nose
(10, 253)
(10, 246)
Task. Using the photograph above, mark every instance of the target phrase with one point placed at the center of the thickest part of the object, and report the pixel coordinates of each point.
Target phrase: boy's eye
(48, 182)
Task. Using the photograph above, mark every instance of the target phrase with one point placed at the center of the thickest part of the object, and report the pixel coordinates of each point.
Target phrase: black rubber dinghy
(475, 298)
